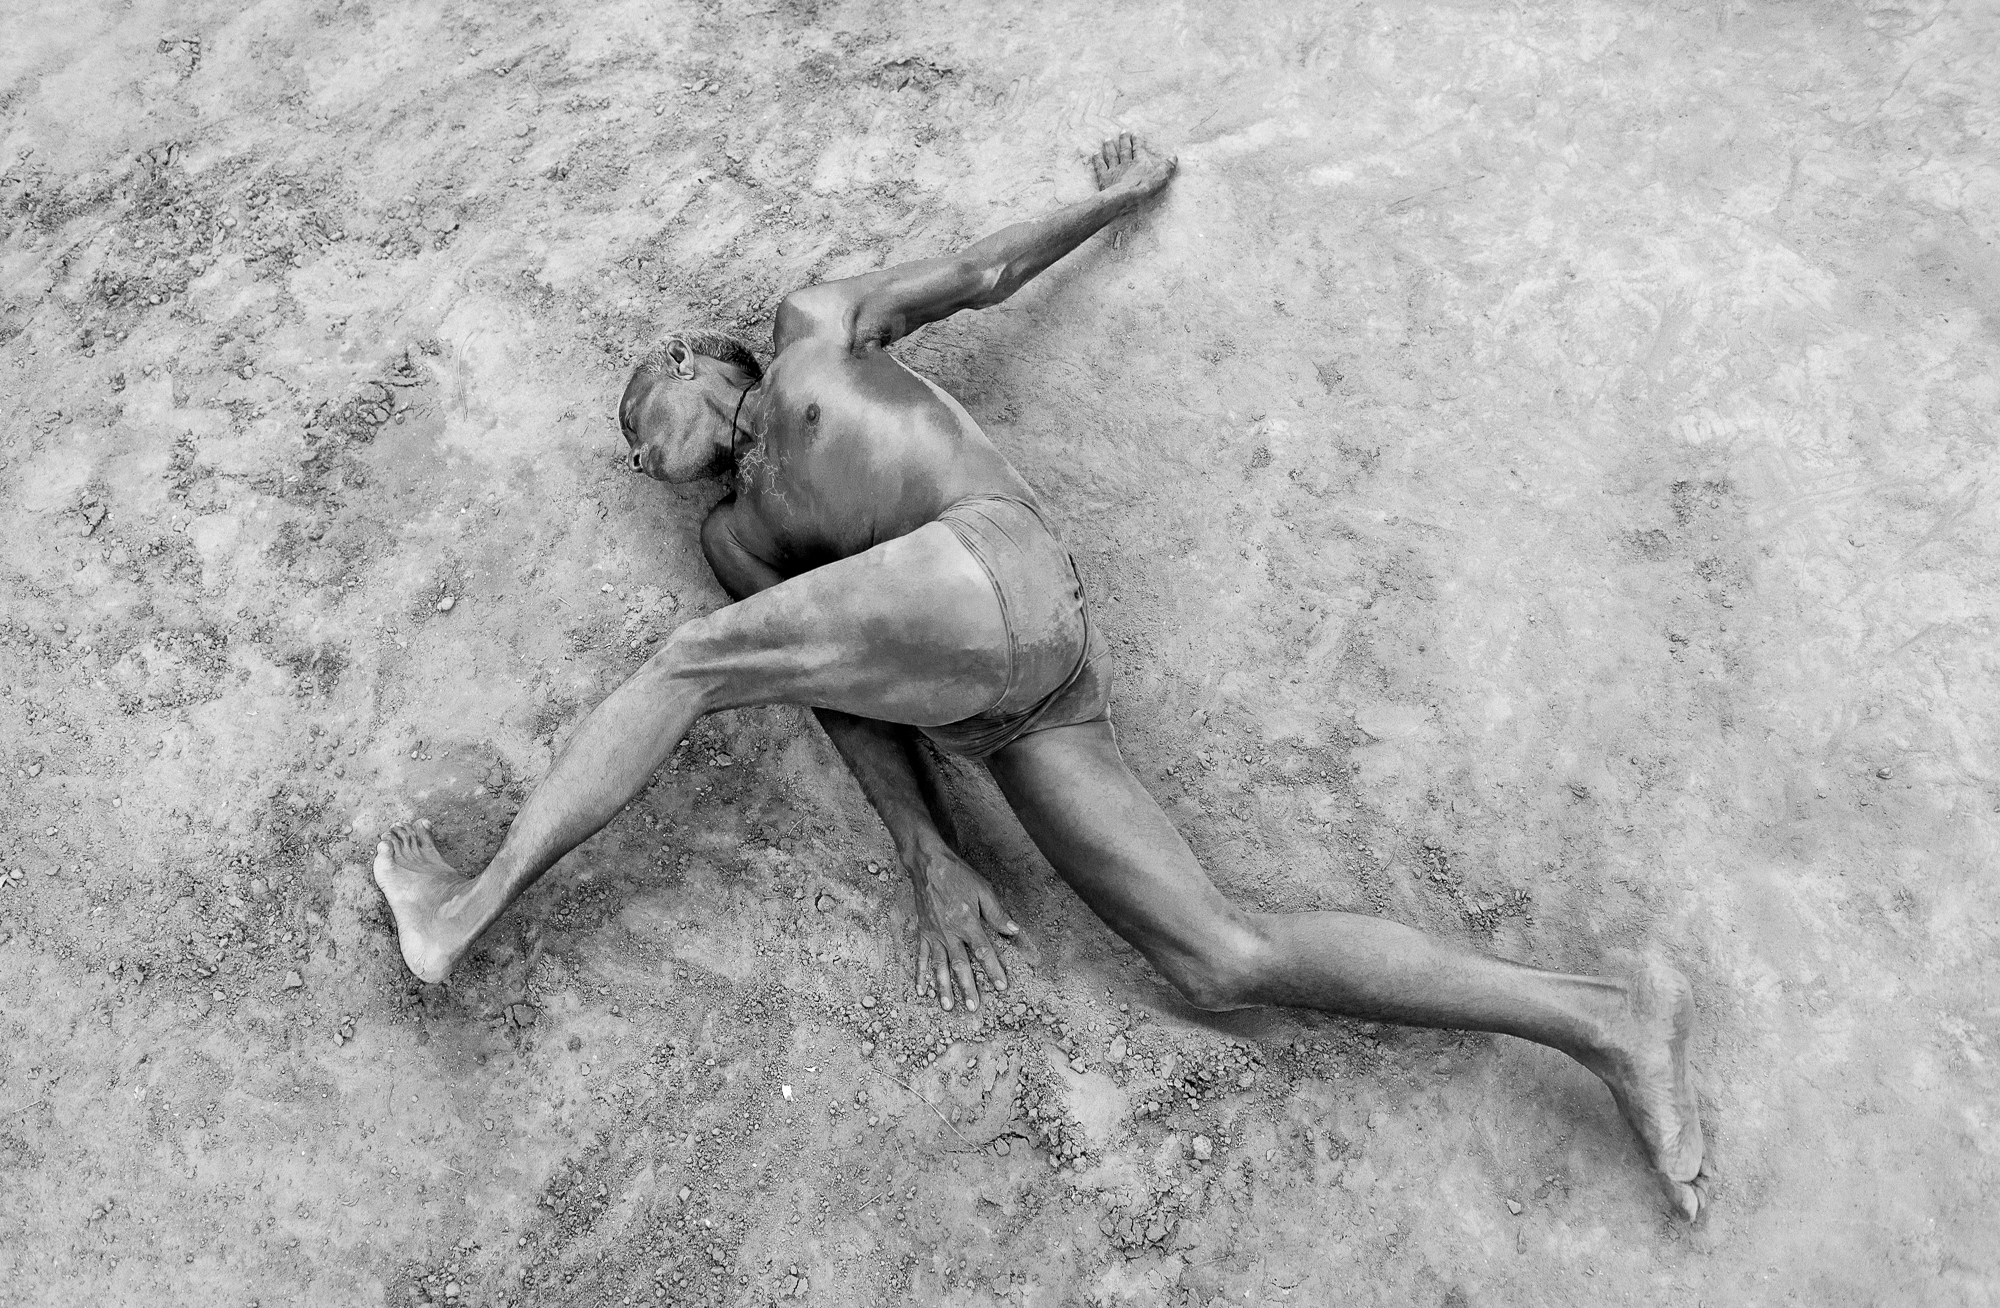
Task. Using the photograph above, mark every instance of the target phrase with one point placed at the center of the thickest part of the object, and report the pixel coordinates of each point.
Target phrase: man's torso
(845, 449)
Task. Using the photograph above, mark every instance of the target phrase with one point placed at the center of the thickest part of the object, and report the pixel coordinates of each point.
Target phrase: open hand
(956, 914)
(1128, 162)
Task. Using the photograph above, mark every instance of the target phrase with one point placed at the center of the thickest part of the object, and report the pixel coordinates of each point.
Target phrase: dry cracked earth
(1538, 468)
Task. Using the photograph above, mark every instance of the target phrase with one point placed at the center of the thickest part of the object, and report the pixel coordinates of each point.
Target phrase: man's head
(678, 408)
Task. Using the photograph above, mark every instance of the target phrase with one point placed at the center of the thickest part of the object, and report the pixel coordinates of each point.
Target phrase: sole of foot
(1651, 1081)
(417, 882)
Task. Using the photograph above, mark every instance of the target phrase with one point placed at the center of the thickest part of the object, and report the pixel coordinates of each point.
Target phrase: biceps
(880, 307)
(741, 573)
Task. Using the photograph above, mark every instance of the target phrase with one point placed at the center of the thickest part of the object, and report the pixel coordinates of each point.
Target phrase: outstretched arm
(876, 308)
(956, 909)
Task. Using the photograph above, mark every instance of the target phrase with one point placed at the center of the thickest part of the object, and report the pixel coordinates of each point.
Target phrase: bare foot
(1647, 1072)
(417, 883)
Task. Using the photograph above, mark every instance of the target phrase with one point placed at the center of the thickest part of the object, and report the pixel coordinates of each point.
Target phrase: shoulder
(821, 313)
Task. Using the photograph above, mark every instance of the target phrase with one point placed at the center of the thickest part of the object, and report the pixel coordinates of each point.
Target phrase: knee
(684, 664)
(1224, 967)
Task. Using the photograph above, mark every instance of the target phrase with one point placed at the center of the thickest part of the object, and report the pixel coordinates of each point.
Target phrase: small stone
(1245, 1081)
(1204, 1149)
(606, 588)
(1514, 1207)
(1116, 1051)
(1884, 773)
(34, 769)
(867, 1048)
(451, 1289)
(444, 605)
(294, 981)
(868, 1001)
(685, 1192)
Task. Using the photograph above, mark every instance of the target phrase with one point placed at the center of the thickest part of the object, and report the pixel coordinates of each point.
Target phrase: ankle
(1601, 1037)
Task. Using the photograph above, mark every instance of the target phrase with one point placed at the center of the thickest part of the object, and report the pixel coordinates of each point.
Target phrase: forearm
(883, 760)
(881, 756)
(1013, 255)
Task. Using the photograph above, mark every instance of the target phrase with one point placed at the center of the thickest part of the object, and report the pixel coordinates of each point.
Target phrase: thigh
(1108, 839)
(909, 631)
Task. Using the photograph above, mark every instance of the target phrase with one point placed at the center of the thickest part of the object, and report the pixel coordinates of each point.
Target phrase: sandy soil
(1538, 468)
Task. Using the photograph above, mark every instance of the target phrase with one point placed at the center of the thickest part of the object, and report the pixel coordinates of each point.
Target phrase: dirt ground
(1538, 468)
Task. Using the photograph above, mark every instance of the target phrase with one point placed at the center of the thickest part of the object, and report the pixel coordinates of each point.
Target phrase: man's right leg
(909, 632)
(1106, 836)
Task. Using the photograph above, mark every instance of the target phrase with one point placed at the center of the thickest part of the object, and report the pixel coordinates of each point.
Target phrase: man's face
(665, 423)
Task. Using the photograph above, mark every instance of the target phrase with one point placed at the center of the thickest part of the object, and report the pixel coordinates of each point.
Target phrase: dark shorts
(1058, 671)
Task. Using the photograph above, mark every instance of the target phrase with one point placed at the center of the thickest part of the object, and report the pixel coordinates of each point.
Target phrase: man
(893, 572)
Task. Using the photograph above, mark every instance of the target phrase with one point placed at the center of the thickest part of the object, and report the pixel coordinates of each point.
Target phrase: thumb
(998, 915)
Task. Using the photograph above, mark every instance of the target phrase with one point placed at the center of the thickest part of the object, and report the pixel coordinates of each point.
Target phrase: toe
(1690, 1199)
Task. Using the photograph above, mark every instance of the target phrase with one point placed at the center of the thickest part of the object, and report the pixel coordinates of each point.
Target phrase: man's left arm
(876, 309)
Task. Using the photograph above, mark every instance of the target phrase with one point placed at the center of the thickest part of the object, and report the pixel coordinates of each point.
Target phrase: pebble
(1245, 1081)
(1514, 1207)
(34, 769)
(868, 1001)
(1884, 773)
(293, 981)
(444, 605)
(1204, 1149)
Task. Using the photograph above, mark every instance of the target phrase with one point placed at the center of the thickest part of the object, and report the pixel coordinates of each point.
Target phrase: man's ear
(680, 359)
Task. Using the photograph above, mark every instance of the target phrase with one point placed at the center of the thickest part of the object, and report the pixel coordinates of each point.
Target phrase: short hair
(720, 346)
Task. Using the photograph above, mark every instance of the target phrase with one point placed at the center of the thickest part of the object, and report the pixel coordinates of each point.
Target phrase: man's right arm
(956, 908)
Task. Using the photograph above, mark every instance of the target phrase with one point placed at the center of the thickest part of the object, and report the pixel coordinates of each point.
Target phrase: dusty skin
(856, 601)
(1533, 474)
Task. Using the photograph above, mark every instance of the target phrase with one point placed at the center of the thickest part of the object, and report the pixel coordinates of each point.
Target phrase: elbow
(990, 282)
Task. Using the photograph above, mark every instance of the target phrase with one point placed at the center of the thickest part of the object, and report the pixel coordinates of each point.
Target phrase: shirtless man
(893, 572)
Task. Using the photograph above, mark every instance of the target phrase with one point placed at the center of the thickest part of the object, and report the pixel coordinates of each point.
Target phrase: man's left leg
(909, 632)
(1106, 836)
